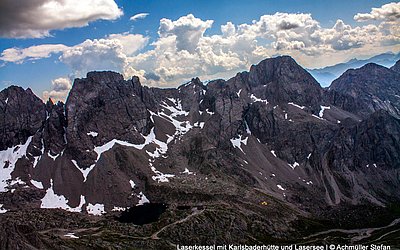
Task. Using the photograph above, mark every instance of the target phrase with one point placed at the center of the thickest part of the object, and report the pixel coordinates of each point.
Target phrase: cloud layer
(138, 16)
(36, 18)
(17, 55)
(388, 12)
(183, 48)
(60, 89)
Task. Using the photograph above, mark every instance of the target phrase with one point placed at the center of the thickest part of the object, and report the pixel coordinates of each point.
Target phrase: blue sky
(177, 40)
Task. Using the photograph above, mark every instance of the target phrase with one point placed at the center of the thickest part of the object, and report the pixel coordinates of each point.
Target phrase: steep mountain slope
(22, 114)
(396, 67)
(368, 89)
(267, 150)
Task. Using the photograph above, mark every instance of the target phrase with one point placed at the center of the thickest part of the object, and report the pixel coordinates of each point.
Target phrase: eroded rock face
(285, 81)
(396, 67)
(369, 89)
(22, 114)
(117, 144)
(103, 107)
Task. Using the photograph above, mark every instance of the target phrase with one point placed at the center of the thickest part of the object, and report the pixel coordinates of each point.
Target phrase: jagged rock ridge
(116, 144)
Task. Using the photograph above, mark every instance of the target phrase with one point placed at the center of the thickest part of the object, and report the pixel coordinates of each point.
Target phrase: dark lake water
(143, 214)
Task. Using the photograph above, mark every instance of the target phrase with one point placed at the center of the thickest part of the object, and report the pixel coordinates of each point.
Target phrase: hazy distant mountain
(326, 75)
(268, 156)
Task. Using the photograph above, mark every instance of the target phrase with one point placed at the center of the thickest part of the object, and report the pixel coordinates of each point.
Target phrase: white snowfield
(142, 199)
(85, 172)
(95, 209)
(237, 142)
(256, 99)
(323, 108)
(53, 200)
(296, 105)
(132, 184)
(9, 158)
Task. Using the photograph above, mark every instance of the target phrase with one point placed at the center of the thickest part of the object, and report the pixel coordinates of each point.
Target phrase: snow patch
(93, 134)
(199, 124)
(296, 105)
(280, 187)
(187, 172)
(37, 184)
(71, 235)
(238, 93)
(53, 200)
(85, 172)
(160, 177)
(132, 184)
(256, 99)
(294, 165)
(176, 110)
(6, 101)
(317, 117)
(96, 209)
(247, 128)
(273, 153)
(209, 112)
(323, 108)
(9, 158)
(2, 210)
(118, 209)
(54, 157)
(142, 199)
(237, 142)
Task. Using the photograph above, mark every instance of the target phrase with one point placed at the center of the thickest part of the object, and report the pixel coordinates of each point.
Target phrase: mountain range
(268, 156)
(326, 75)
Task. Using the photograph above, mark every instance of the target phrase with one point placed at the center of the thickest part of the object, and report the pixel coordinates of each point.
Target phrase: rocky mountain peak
(373, 86)
(396, 67)
(22, 115)
(105, 104)
(283, 69)
(268, 141)
(283, 80)
(104, 76)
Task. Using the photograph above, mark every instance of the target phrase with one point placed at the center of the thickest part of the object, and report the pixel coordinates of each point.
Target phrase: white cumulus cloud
(187, 31)
(18, 55)
(138, 16)
(183, 49)
(388, 12)
(60, 89)
(110, 53)
(36, 18)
